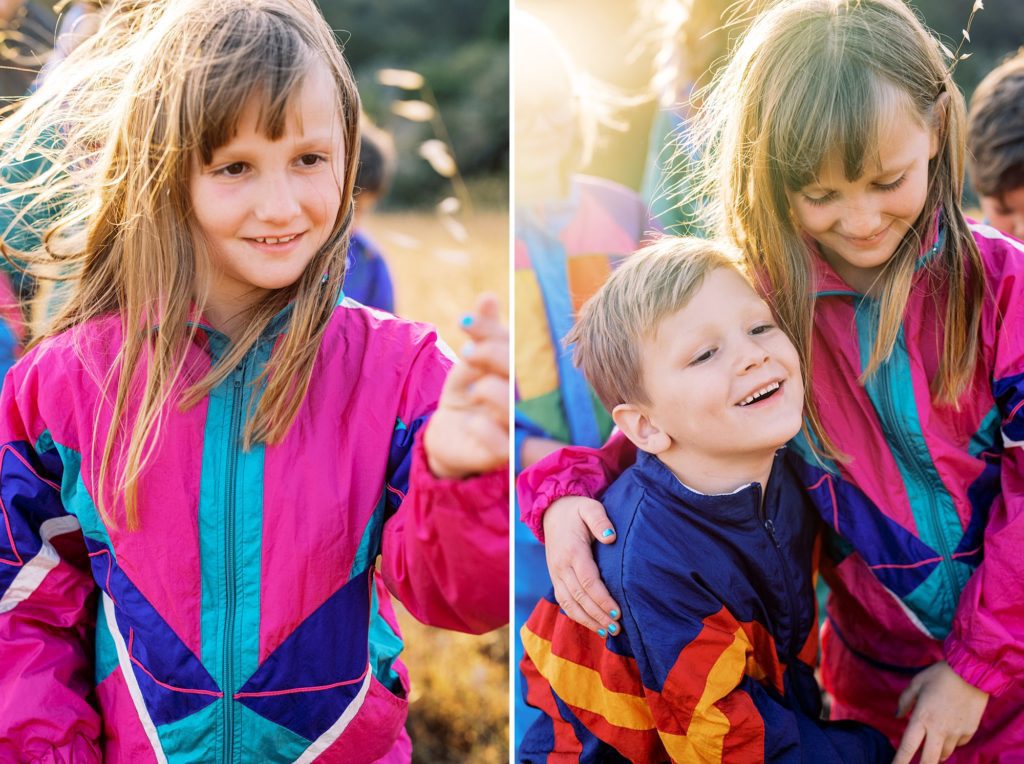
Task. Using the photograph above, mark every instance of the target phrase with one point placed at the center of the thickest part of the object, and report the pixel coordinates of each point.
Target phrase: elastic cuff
(973, 670)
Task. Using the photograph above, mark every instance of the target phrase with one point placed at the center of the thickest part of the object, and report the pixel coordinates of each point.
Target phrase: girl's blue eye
(891, 186)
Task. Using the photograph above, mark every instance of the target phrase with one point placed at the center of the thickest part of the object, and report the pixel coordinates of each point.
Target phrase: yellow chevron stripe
(582, 687)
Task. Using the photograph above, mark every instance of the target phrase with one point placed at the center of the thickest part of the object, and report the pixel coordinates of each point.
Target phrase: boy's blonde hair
(123, 128)
(653, 283)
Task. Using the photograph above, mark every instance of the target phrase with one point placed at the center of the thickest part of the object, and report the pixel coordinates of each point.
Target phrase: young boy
(713, 563)
(995, 145)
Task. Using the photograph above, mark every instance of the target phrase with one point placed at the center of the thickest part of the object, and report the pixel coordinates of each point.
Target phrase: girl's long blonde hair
(810, 77)
(121, 124)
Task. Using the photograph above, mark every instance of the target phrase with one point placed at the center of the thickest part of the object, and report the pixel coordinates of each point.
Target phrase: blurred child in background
(995, 146)
(571, 229)
(367, 279)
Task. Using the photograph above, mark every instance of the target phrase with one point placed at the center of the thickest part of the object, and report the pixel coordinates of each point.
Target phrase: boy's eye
(762, 328)
(891, 186)
(705, 356)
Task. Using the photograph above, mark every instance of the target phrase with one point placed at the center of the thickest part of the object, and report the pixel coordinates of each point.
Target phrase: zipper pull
(770, 527)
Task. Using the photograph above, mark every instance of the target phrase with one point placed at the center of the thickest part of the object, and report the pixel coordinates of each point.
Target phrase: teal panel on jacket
(230, 540)
(73, 493)
(988, 435)
(891, 391)
(192, 740)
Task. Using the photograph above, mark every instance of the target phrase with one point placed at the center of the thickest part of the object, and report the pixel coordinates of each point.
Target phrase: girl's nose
(861, 220)
(278, 202)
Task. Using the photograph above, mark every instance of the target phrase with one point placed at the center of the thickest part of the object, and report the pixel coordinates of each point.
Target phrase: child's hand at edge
(570, 526)
(468, 434)
(947, 712)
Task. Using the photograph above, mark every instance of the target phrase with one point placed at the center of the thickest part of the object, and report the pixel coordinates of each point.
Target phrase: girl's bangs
(830, 108)
(253, 54)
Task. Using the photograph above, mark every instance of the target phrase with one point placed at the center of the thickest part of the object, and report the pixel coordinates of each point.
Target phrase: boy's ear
(641, 431)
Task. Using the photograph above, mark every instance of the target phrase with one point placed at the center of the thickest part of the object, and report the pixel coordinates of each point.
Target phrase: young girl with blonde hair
(209, 448)
(835, 148)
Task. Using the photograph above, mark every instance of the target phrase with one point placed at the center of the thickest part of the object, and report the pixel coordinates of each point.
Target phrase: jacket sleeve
(445, 547)
(47, 606)
(705, 703)
(986, 643)
(573, 471)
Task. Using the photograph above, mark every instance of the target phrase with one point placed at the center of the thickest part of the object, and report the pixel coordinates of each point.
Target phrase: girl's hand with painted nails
(570, 526)
(468, 434)
(947, 712)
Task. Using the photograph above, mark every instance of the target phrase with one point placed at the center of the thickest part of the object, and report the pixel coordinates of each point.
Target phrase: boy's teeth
(763, 391)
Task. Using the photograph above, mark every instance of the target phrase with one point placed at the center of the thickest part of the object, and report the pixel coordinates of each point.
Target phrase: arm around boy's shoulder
(47, 602)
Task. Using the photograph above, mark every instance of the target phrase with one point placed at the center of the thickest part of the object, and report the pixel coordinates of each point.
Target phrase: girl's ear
(641, 431)
(939, 115)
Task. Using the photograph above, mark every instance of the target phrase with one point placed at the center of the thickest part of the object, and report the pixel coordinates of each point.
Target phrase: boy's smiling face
(723, 380)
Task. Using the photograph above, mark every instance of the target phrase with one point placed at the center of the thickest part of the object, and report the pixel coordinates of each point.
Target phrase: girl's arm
(985, 648)
(551, 499)
(47, 603)
(445, 550)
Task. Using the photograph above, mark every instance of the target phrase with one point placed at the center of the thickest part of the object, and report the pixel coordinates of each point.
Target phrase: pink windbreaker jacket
(246, 619)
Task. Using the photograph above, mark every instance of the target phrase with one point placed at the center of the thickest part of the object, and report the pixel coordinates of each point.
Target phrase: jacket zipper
(906, 448)
(795, 613)
(230, 583)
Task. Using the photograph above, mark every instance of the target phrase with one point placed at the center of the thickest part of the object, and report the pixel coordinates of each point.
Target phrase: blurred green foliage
(461, 49)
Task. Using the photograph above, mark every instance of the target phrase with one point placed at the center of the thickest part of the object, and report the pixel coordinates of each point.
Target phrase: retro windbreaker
(244, 621)
(719, 635)
(928, 513)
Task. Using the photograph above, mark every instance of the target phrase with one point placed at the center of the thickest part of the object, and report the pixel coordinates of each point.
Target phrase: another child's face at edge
(858, 224)
(705, 361)
(267, 207)
(1005, 212)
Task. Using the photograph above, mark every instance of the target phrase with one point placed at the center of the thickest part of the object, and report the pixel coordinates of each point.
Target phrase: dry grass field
(459, 703)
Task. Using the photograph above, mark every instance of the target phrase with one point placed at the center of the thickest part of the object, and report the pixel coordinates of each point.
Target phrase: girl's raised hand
(468, 434)
(947, 712)
(570, 526)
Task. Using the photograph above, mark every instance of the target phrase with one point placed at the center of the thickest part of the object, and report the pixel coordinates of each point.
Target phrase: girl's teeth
(272, 240)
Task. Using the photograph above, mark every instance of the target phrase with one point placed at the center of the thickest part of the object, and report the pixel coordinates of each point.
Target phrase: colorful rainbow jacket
(244, 621)
(719, 635)
(928, 513)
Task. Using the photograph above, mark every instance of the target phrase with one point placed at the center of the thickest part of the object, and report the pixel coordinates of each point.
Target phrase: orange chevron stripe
(583, 647)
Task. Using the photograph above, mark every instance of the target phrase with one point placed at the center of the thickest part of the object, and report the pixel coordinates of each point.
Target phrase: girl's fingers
(597, 522)
(933, 745)
(489, 355)
(908, 697)
(491, 394)
(587, 604)
(485, 320)
(911, 741)
(574, 611)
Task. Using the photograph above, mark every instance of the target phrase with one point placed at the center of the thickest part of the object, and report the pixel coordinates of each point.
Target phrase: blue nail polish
(612, 628)
(602, 632)
(466, 321)
(607, 532)
(615, 614)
